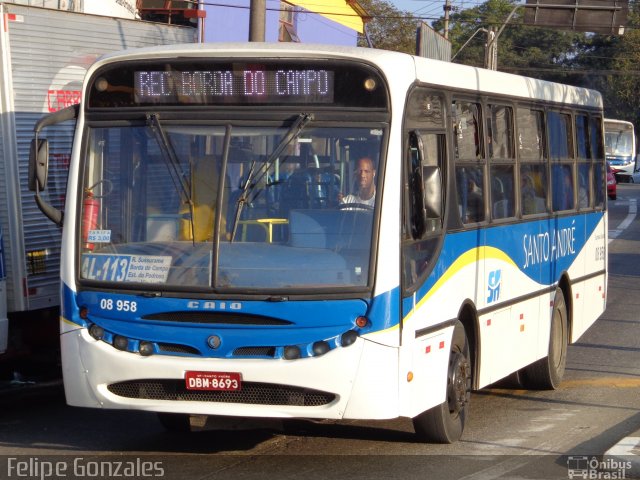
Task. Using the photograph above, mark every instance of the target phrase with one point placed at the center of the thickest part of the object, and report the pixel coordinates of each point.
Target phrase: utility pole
(257, 19)
(491, 50)
(447, 9)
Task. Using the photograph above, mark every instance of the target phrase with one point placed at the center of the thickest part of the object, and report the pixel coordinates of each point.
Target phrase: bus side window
(500, 145)
(596, 151)
(469, 155)
(502, 191)
(532, 153)
(470, 183)
(584, 164)
(467, 130)
(533, 181)
(562, 187)
(561, 156)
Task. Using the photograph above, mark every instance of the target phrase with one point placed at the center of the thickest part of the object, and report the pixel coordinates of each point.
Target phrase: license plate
(225, 381)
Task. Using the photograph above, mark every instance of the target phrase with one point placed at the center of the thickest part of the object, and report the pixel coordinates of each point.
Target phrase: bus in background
(270, 230)
(620, 148)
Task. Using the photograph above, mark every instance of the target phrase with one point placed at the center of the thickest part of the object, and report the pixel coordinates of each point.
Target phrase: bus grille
(253, 393)
(175, 348)
(255, 352)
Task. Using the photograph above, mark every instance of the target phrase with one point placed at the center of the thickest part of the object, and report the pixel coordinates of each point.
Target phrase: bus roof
(613, 121)
(394, 65)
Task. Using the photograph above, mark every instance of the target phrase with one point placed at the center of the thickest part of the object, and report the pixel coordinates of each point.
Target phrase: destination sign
(230, 83)
(283, 85)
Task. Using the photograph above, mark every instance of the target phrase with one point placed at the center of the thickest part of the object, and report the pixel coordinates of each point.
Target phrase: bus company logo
(213, 305)
(493, 284)
(586, 467)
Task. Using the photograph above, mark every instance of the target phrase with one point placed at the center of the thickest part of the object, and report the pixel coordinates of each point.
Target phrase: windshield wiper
(180, 180)
(294, 132)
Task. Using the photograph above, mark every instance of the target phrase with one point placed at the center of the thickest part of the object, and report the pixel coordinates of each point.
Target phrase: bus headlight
(291, 352)
(120, 342)
(145, 349)
(348, 338)
(320, 348)
(96, 332)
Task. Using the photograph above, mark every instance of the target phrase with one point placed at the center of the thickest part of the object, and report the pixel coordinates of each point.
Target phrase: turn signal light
(362, 321)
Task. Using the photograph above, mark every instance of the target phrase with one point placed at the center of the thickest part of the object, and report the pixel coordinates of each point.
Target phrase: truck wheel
(547, 373)
(445, 422)
(175, 422)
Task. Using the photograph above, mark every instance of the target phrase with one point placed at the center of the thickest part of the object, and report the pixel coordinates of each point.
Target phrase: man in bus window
(365, 175)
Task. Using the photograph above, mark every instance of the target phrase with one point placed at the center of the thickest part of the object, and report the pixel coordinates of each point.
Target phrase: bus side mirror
(432, 191)
(38, 164)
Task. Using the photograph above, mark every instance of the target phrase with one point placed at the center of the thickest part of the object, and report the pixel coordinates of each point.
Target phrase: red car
(611, 183)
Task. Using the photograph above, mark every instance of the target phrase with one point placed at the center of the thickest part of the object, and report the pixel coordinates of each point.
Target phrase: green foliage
(521, 49)
(602, 62)
(389, 28)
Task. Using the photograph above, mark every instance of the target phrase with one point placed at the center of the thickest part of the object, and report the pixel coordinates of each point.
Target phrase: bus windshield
(170, 205)
(619, 142)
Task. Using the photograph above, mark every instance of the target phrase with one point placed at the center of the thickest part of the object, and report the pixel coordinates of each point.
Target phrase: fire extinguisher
(90, 210)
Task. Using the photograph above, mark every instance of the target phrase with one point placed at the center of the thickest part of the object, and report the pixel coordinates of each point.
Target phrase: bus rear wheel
(445, 422)
(547, 373)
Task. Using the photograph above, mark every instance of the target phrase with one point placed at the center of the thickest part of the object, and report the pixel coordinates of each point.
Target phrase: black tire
(445, 422)
(547, 373)
(175, 422)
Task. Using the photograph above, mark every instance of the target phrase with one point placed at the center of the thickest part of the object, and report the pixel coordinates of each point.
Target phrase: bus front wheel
(547, 373)
(445, 422)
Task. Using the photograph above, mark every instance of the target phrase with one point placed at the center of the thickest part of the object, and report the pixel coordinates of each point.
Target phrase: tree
(389, 28)
(610, 66)
(522, 49)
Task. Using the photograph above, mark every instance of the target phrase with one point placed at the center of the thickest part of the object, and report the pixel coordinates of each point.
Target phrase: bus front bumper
(357, 382)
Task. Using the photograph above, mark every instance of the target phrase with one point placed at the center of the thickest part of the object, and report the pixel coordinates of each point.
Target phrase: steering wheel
(355, 206)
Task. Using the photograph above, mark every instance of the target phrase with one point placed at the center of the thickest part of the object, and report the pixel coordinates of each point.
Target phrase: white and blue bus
(270, 230)
(620, 148)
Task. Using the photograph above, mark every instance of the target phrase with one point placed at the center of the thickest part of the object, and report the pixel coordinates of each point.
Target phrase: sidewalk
(627, 450)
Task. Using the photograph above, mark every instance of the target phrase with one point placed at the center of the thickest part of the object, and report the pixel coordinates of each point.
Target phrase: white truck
(44, 54)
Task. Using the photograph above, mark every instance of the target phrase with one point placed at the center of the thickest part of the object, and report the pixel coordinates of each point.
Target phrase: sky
(431, 8)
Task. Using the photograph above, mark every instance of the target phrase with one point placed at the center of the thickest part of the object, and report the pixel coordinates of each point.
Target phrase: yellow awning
(345, 12)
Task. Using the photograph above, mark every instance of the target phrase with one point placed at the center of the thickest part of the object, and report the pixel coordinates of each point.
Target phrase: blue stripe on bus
(310, 320)
(540, 249)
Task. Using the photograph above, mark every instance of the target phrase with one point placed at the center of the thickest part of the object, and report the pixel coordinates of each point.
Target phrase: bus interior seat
(204, 175)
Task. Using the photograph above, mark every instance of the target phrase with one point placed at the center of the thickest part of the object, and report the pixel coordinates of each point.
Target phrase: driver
(365, 175)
